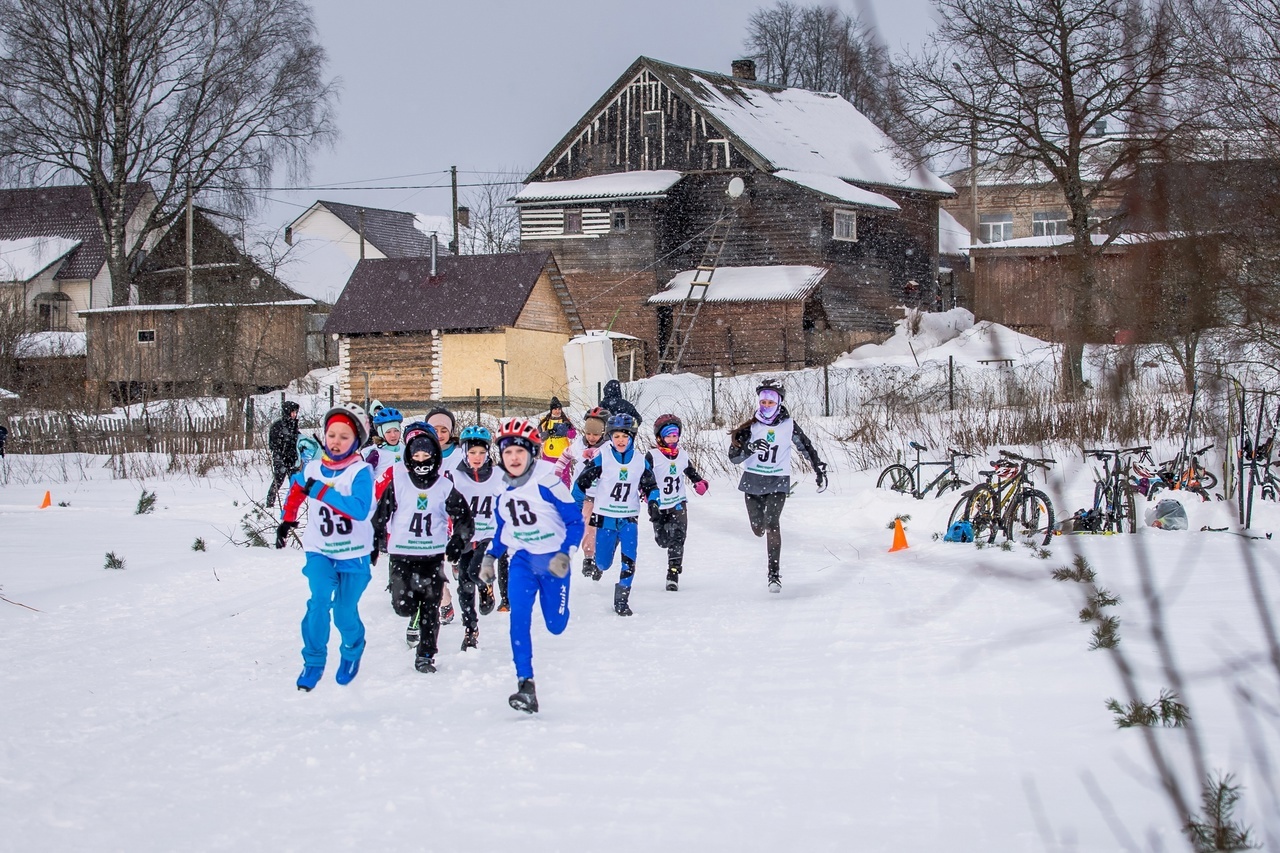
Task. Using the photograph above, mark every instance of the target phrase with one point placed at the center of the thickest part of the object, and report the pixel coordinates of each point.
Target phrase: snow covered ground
(940, 698)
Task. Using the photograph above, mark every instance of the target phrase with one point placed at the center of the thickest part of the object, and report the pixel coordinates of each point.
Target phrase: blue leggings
(611, 532)
(336, 585)
(528, 578)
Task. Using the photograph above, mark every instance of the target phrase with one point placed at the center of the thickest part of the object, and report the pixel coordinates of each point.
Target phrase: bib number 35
(329, 525)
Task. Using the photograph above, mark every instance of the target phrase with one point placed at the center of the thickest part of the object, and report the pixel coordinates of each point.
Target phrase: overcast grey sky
(493, 85)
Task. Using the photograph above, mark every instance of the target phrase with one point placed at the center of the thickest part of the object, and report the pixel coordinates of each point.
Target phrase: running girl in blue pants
(539, 521)
(622, 481)
(338, 538)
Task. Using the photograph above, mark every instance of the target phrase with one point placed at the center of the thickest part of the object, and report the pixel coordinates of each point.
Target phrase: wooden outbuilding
(416, 331)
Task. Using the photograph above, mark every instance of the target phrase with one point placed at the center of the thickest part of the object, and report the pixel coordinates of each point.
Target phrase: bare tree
(823, 49)
(495, 222)
(1029, 83)
(193, 96)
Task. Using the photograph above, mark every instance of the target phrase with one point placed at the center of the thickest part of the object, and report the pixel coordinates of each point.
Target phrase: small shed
(415, 331)
(182, 350)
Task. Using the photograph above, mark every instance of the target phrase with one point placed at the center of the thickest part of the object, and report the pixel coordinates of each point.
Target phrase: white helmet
(357, 414)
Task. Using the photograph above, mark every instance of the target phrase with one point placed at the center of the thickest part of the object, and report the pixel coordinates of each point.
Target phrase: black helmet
(774, 386)
(666, 421)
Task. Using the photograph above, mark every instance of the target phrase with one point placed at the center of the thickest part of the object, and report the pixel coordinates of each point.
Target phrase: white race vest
(481, 497)
(387, 456)
(618, 489)
(670, 476)
(581, 455)
(529, 521)
(420, 525)
(328, 531)
(775, 461)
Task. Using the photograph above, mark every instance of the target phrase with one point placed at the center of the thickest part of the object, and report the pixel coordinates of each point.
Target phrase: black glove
(758, 445)
(560, 430)
(655, 512)
(282, 533)
(741, 436)
(820, 471)
(373, 557)
(454, 549)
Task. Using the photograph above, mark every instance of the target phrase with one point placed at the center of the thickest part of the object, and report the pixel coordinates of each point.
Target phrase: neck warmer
(669, 452)
(769, 418)
(345, 460)
(516, 482)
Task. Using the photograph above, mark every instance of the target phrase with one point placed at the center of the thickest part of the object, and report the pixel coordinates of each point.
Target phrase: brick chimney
(744, 69)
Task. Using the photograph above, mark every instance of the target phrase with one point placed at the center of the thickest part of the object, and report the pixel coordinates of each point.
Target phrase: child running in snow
(539, 521)
(669, 465)
(415, 512)
(762, 446)
(388, 424)
(480, 482)
(624, 480)
(582, 450)
(441, 420)
(338, 490)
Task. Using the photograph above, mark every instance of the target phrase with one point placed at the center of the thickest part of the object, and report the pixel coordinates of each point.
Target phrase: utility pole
(973, 179)
(502, 368)
(361, 215)
(453, 176)
(189, 296)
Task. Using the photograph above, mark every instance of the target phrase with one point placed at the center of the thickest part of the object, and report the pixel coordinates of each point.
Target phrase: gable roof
(468, 292)
(746, 284)
(393, 232)
(25, 258)
(615, 185)
(62, 211)
(779, 128)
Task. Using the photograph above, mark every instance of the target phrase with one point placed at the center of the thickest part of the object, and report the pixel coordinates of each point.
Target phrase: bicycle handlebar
(1204, 449)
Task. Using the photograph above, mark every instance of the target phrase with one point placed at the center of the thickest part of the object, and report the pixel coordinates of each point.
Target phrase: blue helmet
(387, 418)
(475, 436)
(621, 422)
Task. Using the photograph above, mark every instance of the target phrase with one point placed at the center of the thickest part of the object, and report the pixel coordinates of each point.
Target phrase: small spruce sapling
(114, 561)
(1217, 829)
(146, 503)
(198, 545)
(1166, 712)
(903, 518)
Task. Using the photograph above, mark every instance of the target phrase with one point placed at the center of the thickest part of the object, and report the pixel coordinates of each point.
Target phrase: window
(845, 225)
(652, 122)
(995, 227)
(618, 220)
(146, 336)
(573, 222)
(52, 311)
(1049, 224)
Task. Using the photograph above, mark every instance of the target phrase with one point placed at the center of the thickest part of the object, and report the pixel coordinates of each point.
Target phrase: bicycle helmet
(387, 418)
(621, 422)
(475, 436)
(772, 385)
(519, 432)
(665, 421)
(308, 448)
(354, 415)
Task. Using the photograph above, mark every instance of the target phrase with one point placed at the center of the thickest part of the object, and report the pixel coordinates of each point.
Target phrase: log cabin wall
(401, 367)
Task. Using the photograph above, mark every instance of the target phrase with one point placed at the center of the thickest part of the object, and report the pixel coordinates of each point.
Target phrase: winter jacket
(282, 439)
(556, 435)
(614, 402)
(764, 484)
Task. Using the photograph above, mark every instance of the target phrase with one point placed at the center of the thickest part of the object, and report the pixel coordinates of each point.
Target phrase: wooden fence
(114, 436)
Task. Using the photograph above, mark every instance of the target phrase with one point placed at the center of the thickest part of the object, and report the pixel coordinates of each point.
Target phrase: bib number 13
(521, 514)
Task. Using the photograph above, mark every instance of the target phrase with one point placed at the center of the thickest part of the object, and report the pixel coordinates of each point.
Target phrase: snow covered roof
(838, 189)
(7, 395)
(799, 130)
(601, 333)
(1062, 240)
(119, 309)
(51, 345)
(746, 284)
(639, 184)
(953, 238)
(25, 258)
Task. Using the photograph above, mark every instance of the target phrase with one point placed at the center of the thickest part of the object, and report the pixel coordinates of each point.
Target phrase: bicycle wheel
(978, 507)
(1101, 503)
(1155, 488)
(1268, 490)
(1208, 480)
(1127, 522)
(898, 478)
(1031, 516)
(953, 483)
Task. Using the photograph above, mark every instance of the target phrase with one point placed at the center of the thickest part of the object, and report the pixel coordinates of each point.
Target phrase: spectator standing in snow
(616, 403)
(282, 440)
(557, 432)
(4, 436)
(762, 446)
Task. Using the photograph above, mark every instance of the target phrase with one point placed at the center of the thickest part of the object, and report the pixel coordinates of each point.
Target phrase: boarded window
(573, 222)
(845, 225)
(146, 336)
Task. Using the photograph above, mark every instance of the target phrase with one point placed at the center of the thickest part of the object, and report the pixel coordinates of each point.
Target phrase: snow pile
(24, 259)
(953, 238)
(51, 345)
(933, 330)
(7, 395)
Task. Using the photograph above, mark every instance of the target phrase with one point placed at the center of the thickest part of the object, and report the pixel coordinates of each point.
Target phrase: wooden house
(634, 195)
(416, 331)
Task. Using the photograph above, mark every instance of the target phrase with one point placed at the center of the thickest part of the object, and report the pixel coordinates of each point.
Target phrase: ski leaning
(762, 447)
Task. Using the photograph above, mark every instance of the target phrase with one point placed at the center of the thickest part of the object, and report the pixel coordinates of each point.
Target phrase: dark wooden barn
(636, 193)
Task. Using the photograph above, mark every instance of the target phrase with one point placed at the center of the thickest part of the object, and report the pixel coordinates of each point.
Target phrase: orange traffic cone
(47, 502)
(899, 537)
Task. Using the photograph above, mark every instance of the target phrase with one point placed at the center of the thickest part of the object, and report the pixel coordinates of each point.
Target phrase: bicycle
(906, 479)
(980, 505)
(1008, 503)
(1171, 475)
(1113, 503)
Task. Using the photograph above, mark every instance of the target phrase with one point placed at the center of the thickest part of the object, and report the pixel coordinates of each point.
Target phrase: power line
(330, 188)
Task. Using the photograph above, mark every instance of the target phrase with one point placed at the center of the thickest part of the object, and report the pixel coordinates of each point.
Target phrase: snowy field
(940, 698)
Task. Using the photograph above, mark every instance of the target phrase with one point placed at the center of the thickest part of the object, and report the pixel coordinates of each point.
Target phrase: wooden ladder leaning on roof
(685, 313)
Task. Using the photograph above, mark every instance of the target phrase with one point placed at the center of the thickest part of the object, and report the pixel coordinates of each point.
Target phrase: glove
(820, 472)
(655, 512)
(700, 487)
(373, 557)
(488, 570)
(559, 565)
(560, 430)
(454, 549)
(759, 444)
(282, 533)
(740, 436)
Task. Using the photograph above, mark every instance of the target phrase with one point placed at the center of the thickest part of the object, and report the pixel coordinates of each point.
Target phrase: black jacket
(282, 439)
(464, 526)
(614, 402)
(763, 484)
